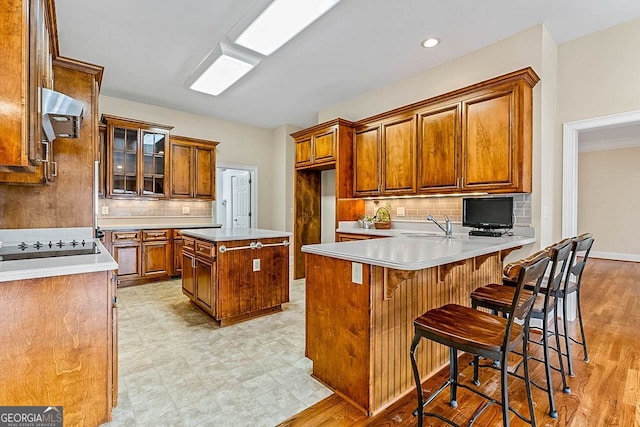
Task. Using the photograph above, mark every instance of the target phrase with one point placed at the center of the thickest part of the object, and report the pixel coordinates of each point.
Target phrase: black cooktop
(47, 250)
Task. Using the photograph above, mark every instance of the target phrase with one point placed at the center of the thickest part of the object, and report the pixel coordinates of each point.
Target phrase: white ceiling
(150, 47)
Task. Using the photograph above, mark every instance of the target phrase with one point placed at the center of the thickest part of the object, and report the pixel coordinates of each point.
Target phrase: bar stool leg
(416, 376)
(527, 379)
(567, 340)
(584, 340)
(504, 390)
(547, 368)
(565, 387)
(453, 376)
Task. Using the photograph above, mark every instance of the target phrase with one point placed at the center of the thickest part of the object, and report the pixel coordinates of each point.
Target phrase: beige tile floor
(178, 368)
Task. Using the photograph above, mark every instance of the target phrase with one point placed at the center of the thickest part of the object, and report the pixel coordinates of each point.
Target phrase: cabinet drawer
(119, 236)
(148, 235)
(206, 249)
(189, 244)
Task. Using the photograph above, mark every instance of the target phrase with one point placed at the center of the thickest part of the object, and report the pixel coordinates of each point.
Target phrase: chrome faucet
(448, 228)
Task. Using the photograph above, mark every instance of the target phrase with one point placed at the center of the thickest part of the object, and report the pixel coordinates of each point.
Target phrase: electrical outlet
(256, 264)
(356, 273)
(400, 211)
(186, 210)
(105, 210)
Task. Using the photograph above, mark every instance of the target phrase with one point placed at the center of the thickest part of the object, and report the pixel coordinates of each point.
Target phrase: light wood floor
(605, 391)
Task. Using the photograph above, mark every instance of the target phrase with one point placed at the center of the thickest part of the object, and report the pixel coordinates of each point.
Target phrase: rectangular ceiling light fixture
(221, 68)
(280, 22)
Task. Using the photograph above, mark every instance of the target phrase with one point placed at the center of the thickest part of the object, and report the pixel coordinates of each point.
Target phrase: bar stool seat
(465, 329)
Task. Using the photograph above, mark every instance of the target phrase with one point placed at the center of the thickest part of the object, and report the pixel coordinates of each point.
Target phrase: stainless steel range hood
(61, 115)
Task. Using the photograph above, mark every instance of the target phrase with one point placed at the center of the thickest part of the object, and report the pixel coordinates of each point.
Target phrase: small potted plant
(382, 219)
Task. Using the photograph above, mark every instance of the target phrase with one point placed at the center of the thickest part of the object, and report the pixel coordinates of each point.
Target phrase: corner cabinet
(29, 41)
(137, 160)
(326, 146)
(193, 168)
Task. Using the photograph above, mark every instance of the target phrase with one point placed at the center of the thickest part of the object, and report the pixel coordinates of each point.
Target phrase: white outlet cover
(356, 273)
(105, 210)
(186, 210)
(256, 264)
(400, 211)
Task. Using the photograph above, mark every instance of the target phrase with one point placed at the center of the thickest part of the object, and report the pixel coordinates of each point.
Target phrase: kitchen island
(362, 297)
(235, 274)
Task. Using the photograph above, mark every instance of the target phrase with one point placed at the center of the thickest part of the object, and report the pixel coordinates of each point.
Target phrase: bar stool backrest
(560, 253)
(581, 247)
(530, 270)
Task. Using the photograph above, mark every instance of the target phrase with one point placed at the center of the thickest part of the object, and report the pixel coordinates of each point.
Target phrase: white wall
(609, 200)
(239, 144)
(598, 75)
(283, 170)
(328, 206)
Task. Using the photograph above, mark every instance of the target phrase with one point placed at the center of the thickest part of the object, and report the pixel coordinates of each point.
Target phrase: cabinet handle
(193, 262)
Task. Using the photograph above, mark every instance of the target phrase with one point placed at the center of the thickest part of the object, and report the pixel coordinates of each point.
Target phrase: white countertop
(139, 223)
(415, 250)
(229, 234)
(57, 266)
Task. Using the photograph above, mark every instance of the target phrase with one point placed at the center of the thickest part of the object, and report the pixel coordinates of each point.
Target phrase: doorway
(237, 195)
(576, 135)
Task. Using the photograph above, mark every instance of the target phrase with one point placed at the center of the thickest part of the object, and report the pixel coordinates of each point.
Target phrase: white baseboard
(615, 256)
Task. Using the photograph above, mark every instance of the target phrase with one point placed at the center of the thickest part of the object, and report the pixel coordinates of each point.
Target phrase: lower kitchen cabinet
(59, 345)
(157, 259)
(125, 248)
(177, 253)
(236, 283)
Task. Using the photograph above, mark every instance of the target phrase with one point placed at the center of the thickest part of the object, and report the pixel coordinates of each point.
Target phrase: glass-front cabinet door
(153, 163)
(125, 161)
(137, 163)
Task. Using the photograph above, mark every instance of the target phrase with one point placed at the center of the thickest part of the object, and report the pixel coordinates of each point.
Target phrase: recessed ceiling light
(430, 42)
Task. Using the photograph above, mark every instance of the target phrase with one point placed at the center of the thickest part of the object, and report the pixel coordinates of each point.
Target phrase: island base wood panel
(57, 345)
(358, 336)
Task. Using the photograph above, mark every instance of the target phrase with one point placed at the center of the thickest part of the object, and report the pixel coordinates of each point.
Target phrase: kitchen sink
(437, 235)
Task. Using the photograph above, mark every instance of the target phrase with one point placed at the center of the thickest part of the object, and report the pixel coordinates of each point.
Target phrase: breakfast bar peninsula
(362, 297)
(235, 274)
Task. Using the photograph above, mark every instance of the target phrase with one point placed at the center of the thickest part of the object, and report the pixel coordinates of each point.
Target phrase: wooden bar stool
(581, 248)
(498, 298)
(465, 329)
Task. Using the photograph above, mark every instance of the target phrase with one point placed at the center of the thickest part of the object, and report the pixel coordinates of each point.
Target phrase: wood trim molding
(85, 67)
(445, 269)
(481, 259)
(393, 278)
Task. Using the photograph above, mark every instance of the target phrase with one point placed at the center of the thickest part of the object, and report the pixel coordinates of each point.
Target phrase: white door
(240, 200)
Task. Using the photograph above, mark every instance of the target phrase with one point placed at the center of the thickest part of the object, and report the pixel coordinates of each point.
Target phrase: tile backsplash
(419, 208)
(155, 208)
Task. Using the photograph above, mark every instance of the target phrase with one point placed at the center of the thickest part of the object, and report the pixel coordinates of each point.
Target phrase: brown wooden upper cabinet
(137, 160)
(29, 43)
(317, 149)
(385, 158)
(476, 139)
(193, 168)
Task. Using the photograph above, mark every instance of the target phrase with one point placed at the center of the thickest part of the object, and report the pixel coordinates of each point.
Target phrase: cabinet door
(154, 163)
(127, 255)
(366, 160)
(188, 276)
(439, 143)
(399, 156)
(303, 152)
(488, 141)
(177, 257)
(181, 170)
(156, 258)
(123, 152)
(324, 147)
(205, 173)
(205, 285)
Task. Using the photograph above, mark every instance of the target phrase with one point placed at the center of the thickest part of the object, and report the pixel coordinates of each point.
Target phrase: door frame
(253, 174)
(570, 141)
